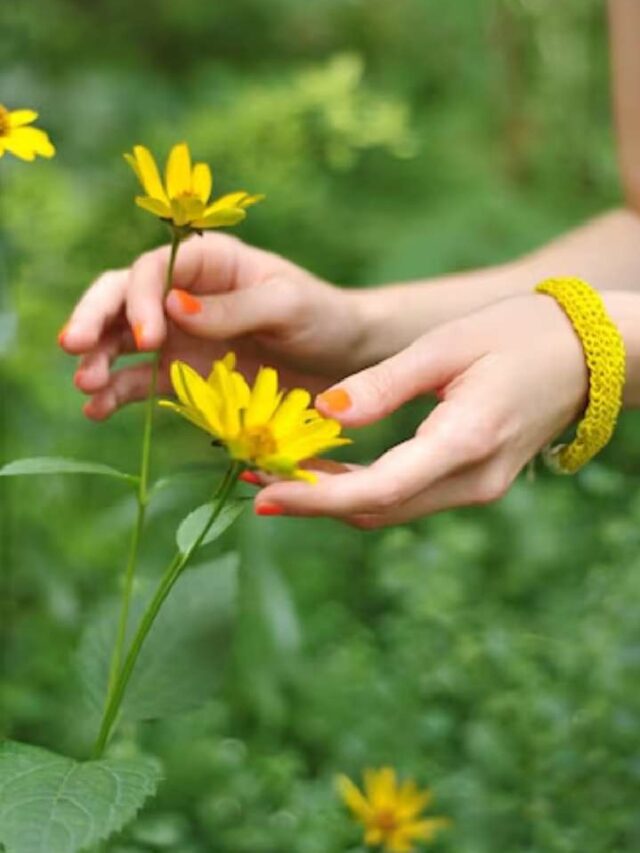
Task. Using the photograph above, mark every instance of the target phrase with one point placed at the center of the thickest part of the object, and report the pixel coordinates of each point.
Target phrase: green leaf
(52, 803)
(58, 465)
(180, 663)
(192, 525)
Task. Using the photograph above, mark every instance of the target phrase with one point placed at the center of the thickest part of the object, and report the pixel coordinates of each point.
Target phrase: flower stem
(142, 499)
(170, 576)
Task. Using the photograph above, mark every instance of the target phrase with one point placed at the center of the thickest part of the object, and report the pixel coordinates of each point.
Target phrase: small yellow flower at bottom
(390, 812)
(22, 141)
(184, 198)
(261, 426)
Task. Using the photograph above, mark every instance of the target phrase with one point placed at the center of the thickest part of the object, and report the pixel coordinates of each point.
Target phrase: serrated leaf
(58, 465)
(52, 803)
(180, 663)
(192, 525)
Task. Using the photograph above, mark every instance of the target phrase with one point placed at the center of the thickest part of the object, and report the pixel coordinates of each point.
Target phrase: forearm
(605, 252)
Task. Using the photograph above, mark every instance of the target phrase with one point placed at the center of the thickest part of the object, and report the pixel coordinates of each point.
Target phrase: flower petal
(148, 172)
(289, 412)
(154, 205)
(264, 398)
(18, 118)
(202, 181)
(353, 798)
(178, 172)
(28, 142)
(220, 218)
(197, 396)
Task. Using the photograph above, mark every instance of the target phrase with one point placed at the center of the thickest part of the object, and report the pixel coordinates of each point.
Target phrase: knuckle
(289, 295)
(388, 498)
(480, 440)
(492, 487)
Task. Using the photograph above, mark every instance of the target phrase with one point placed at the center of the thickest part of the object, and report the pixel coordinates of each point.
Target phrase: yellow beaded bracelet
(605, 356)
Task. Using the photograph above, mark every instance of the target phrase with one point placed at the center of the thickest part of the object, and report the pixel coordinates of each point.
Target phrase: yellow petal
(131, 160)
(353, 798)
(18, 118)
(220, 218)
(202, 181)
(290, 411)
(380, 786)
(154, 205)
(185, 209)
(191, 414)
(178, 173)
(225, 201)
(28, 142)
(222, 382)
(252, 199)
(197, 396)
(425, 830)
(264, 398)
(148, 171)
(412, 801)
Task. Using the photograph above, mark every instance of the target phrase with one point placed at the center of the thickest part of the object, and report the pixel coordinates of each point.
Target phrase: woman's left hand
(509, 378)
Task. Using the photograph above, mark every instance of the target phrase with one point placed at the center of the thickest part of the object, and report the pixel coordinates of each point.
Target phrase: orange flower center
(385, 820)
(5, 127)
(260, 441)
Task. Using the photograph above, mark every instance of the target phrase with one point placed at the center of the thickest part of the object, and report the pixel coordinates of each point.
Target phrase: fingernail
(138, 335)
(62, 333)
(266, 508)
(337, 400)
(188, 303)
(250, 477)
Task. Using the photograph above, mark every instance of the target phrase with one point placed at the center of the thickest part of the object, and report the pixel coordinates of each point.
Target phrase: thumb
(272, 304)
(430, 363)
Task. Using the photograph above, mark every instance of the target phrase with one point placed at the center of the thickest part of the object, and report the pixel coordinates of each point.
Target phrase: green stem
(142, 500)
(170, 576)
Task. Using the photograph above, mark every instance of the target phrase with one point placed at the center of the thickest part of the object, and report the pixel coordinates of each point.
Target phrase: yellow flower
(183, 199)
(261, 426)
(22, 141)
(390, 812)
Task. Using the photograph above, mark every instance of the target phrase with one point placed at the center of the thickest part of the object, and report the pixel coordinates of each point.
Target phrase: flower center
(386, 820)
(4, 121)
(260, 441)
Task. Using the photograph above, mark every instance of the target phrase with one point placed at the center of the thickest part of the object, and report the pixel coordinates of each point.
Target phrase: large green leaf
(179, 665)
(192, 525)
(52, 804)
(58, 465)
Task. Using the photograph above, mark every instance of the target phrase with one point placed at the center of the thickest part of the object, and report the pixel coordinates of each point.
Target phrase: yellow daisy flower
(22, 141)
(261, 426)
(184, 198)
(389, 811)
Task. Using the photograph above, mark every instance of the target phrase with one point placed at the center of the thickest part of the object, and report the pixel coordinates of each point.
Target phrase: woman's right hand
(225, 295)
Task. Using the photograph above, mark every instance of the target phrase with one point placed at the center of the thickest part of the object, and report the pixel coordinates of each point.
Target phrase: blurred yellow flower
(390, 812)
(261, 426)
(19, 139)
(183, 199)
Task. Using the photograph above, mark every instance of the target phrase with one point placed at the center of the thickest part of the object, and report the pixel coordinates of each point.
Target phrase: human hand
(510, 378)
(226, 295)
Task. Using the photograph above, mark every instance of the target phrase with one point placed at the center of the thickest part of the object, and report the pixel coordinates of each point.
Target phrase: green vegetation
(492, 654)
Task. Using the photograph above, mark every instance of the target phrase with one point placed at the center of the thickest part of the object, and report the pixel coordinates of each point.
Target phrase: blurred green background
(492, 654)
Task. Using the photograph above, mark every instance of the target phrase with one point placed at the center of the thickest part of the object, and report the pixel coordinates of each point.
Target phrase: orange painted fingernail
(62, 333)
(250, 477)
(269, 509)
(337, 400)
(138, 335)
(188, 303)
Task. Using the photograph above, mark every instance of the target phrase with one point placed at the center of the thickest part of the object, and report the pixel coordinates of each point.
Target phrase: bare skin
(506, 362)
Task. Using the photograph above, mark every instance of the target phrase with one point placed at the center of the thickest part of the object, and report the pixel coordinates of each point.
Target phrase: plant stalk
(170, 576)
(142, 497)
